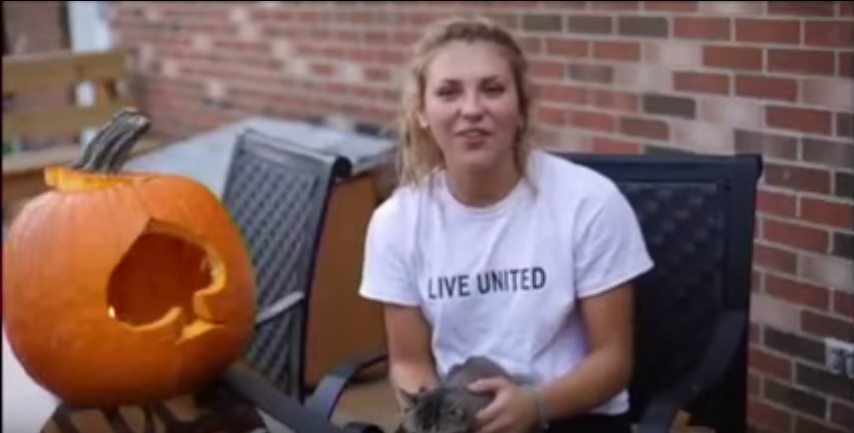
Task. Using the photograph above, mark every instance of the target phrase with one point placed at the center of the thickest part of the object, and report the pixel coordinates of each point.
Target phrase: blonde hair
(419, 155)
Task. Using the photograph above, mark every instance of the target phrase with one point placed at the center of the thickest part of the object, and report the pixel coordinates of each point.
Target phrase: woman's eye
(446, 92)
(494, 90)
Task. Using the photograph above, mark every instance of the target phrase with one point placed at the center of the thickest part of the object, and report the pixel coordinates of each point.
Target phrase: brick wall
(715, 77)
(36, 27)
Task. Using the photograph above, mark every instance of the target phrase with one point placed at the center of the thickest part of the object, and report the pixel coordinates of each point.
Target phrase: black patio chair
(697, 215)
(277, 192)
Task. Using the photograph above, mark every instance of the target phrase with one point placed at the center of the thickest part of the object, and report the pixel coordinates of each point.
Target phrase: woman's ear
(422, 120)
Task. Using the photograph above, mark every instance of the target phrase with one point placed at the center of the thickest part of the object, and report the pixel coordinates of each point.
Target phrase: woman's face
(471, 105)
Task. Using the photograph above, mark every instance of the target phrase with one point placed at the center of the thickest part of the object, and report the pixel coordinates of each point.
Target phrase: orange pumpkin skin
(125, 244)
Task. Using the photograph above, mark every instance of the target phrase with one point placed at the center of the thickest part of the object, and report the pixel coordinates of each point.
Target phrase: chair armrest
(326, 395)
(730, 329)
(280, 407)
(278, 308)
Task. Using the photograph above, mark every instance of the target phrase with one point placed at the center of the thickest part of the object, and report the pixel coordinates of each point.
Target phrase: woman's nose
(472, 105)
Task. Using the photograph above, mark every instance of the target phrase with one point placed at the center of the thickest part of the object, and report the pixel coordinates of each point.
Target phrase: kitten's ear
(410, 399)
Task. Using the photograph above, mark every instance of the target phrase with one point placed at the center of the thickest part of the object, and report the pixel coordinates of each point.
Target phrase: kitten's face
(441, 410)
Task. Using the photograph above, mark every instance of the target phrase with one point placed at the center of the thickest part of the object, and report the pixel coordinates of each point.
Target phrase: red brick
(615, 146)
(617, 50)
(739, 58)
(753, 384)
(547, 69)
(377, 74)
(836, 214)
(795, 235)
(777, 203)
(802, 8)
(829, 153)
(836, 34)
(846, 8)
(798, 178)
(591, 73)
(550, 115)
(835, 93)
(532, 45)
(822, 325)
(737, 112)
(701, 28)
(843, 303)
(844, 63)
(567, 47)
(592, 120)
(754, 333)
(323, 69)
(519, 4)
(810, 425)
(770, 31)
(567, 5)
(775, 259)
(615, 100)
(614, 6)
(768, 417)
(770, 364)
(842, 413)
(539, 22)
(729, 8)
(701, 82)
(564, 93)
(673, 55)
(826, 270)
(797, 292)
(644, 128)
(766, 87)
(671, 6)
(812, 62)
(799, 119)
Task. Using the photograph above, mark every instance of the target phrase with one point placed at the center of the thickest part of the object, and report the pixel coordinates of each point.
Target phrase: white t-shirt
(503, 281)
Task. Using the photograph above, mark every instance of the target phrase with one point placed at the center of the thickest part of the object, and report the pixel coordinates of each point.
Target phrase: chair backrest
(697, 215)
(277, 192)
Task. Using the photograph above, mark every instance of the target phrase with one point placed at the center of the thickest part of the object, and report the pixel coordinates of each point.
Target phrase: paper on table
(26, 406)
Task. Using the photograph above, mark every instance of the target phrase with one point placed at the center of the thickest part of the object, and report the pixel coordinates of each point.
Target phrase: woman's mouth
(473, 133)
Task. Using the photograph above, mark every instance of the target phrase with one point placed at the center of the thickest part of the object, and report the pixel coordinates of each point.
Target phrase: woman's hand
(513, 410)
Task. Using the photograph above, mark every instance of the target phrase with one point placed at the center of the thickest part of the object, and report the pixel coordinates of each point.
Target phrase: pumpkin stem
(111, 146)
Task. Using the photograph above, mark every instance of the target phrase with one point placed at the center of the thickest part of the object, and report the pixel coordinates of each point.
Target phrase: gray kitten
(451, 407)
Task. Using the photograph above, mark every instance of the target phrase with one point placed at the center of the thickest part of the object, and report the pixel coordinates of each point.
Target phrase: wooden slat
(37, 160)
(25, 73)
(23, 173)
(65, 120)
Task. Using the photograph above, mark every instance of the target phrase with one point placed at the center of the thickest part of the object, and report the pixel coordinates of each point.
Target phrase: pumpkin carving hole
(158, 277)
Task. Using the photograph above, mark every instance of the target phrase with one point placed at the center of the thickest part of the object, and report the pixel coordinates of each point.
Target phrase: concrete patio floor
(371, 402)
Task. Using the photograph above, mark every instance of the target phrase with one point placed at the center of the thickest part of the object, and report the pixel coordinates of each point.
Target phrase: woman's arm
(607, 369)
(610, 252)
(411, 366)
(387, 279)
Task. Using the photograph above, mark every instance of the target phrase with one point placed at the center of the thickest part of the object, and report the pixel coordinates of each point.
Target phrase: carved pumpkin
(125, 288)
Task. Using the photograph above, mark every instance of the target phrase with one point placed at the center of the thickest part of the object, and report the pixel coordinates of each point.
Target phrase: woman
(491, 248)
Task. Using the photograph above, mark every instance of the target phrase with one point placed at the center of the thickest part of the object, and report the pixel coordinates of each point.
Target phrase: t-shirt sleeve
(386, 270)
(610, 249)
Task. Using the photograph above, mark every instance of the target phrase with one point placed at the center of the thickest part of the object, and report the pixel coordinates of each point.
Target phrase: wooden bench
(25, 75)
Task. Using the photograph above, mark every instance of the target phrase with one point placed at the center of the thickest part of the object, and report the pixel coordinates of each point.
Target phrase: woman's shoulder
(397, 210)
(565, 179)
